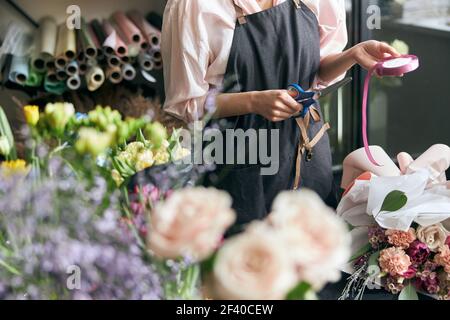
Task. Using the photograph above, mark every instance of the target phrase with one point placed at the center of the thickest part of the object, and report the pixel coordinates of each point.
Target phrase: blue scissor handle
(304, 97)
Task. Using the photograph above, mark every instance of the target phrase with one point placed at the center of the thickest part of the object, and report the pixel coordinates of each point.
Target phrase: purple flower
(418, 252)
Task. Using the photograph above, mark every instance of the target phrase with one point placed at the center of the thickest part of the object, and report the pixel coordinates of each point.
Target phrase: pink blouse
(196, 43)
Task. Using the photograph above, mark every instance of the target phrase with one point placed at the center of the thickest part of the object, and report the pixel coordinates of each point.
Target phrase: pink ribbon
(387, 67)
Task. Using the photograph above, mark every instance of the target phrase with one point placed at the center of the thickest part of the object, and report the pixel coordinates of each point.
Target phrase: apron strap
(240, 14)
(306, 145)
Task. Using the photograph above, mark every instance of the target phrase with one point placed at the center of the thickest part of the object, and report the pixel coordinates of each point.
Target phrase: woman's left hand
(369, 53)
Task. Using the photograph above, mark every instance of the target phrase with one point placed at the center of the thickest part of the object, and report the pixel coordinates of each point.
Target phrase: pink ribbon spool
(391, 67)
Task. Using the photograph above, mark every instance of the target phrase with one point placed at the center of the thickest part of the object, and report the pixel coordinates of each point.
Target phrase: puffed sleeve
(331, 15)
(185, 53)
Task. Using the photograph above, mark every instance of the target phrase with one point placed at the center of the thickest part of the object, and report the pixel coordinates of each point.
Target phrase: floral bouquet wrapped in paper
(401, 219)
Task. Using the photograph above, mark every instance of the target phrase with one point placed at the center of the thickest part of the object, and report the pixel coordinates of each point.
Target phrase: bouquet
(400, 219)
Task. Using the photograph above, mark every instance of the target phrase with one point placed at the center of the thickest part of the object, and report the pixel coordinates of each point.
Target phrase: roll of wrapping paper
(130, 31)
(88, 45)
(114, 74)
(113, 61)
(61, 74)
(157, 65)
(19, 70)
(66, 46)
(146, 61)
(97, 29)
(94, 78)
(113, 44)
(97, 43)
(52, 85)
(128, 72)
(72, 68)
(34, 78)
(152, 34)
(45, 44)
(51, 76)
(133, 47)
(155, 53)
(74, 82)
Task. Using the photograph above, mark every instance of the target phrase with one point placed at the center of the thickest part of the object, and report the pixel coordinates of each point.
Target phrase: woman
(254, 49)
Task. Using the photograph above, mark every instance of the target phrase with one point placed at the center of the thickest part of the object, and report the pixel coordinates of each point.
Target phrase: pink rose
(394, 261)
(443, 258)
(253, 265)
(317, 239)
(401, 239)
(190, 223)
(419, 252)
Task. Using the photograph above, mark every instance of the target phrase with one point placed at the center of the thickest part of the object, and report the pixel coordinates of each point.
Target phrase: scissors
(310, 98)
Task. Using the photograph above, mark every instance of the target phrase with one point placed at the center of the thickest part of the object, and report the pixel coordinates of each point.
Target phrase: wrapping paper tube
(89, 47)
(152, 34)
(114, 74)
(128, 72)
(45, 43)
(131, 33)
(66, 46)
(50, 77)
(94, 78)
(55, 87)
(34, 78)
(72, 68)
(61, 74)
(19, 70)
(113, 43)
(113, 61)
(158, 65)
(97, 29)
(146, 62)
(155, 53)
(74, 82)
(82, 67)
(97, 43)
(51, 64)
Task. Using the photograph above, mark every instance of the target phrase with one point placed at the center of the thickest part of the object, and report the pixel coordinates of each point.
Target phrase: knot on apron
(306, 145)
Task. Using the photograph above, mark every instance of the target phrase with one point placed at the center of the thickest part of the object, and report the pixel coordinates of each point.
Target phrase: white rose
(433, 236)
(316, 238)
(190, 223)
(254, 265)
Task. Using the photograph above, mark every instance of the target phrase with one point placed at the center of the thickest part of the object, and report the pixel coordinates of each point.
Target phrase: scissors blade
(334, 87)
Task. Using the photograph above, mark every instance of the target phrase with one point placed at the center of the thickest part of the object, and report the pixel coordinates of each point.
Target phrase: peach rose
(190, 223)
(443, 258)
(317, 239)
(433, 236)
(401, 239)
(394, 261)
(254, 265)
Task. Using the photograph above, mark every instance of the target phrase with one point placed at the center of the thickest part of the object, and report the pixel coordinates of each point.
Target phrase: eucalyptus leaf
(408, 293)
(373, 260)
(361, 251)
(299, 292)
(394, 201)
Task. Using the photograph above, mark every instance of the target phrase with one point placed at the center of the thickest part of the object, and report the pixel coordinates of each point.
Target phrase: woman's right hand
(274, 105)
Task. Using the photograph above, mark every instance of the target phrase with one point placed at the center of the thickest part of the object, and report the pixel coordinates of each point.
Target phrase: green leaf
(408, 293)
(10, 268)
(373, 260)
(299, 292)
(363, 250)
(394, 201)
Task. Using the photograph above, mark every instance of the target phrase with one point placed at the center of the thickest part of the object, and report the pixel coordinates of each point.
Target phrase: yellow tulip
(31, 114)
(15, 167)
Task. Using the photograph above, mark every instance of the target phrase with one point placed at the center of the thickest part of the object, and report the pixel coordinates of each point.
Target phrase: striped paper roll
(152, 34)
(128, 72)
(114, 74)
(94, 78)
(113, 43)
(66, 46)
(74, 82)
(45, 44)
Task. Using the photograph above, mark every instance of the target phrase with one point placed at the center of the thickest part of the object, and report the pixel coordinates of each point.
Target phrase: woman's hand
(369, 53)
(274, 105)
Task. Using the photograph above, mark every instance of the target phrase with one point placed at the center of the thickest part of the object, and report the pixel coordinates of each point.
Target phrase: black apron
(272, 49)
